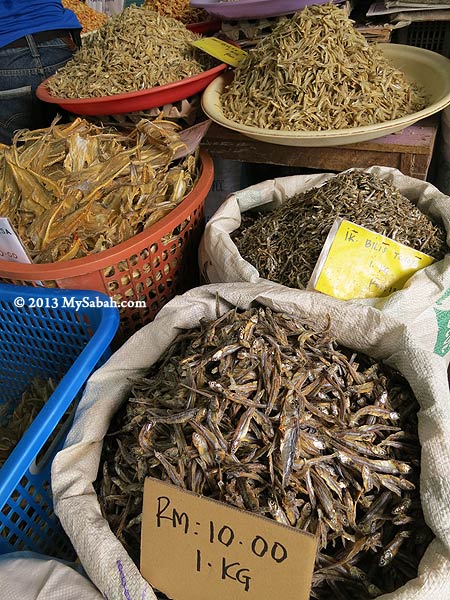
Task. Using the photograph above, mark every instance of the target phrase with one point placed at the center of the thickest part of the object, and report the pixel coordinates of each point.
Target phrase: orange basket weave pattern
(156, 273)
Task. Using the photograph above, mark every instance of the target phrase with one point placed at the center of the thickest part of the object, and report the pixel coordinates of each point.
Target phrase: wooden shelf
(409, 150)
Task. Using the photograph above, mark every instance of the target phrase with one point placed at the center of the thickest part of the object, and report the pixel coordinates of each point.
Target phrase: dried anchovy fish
(284, 245)
(267, 413)
(76, 189)
(179, 9)
(32, 400)
(316, 72)
(135, 50)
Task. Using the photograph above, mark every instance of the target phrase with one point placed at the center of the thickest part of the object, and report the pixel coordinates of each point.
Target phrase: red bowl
(133, 101)
(205, 27)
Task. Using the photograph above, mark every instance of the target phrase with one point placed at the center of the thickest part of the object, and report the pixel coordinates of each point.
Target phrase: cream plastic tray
(428, 69)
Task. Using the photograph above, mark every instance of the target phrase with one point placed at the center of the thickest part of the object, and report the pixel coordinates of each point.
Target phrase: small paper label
(11, 248)
(356, 262)
(194, 548)
(223, 51)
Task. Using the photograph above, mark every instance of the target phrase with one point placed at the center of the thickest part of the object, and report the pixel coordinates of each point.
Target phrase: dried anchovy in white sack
(284, 244)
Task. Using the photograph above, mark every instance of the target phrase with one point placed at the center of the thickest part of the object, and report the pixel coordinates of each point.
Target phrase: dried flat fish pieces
(315, 72)
(269, 414)
(135, 50)
(284, 245)
(75, 189)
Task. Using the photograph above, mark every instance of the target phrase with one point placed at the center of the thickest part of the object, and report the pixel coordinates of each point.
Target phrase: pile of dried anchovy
(316, 72)
(32, 400)
(135, 50)
(264, 412)
(75, 189)
(284, 245)
(179, 9)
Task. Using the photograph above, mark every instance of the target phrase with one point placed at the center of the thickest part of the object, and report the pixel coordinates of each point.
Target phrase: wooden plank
(410, 150)
(415, 165)
(248, 150)
(418, 138)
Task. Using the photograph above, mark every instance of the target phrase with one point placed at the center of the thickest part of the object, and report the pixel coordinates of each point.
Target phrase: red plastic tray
(205, 27)
(133, 101)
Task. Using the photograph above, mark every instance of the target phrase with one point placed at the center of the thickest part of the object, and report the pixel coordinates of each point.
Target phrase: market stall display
(343, 91)
(63, 345)
(380, 198)
(139, 59)
(292, 407)
(247, 430)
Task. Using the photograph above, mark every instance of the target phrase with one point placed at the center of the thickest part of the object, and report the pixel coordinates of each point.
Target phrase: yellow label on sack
(356, 262)
(227, 53)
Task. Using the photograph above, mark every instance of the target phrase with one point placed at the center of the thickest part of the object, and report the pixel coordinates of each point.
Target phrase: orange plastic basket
(151, 267)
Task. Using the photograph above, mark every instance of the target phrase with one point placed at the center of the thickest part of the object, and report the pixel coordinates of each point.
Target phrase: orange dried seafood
(90, 19)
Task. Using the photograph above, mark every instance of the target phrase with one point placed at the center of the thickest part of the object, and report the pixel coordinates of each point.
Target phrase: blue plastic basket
(46, 337)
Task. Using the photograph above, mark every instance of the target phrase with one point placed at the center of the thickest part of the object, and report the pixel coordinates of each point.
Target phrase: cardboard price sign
(194, 548)
(356, 262)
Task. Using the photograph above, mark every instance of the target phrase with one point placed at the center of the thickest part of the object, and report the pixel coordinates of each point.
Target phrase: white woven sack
(220, 261)
(376, 332)
(31, 576)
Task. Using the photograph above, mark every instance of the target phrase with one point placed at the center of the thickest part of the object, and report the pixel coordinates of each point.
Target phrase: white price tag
(11, 248)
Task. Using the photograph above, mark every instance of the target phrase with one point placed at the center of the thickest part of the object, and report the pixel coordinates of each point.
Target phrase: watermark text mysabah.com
(75, 303)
